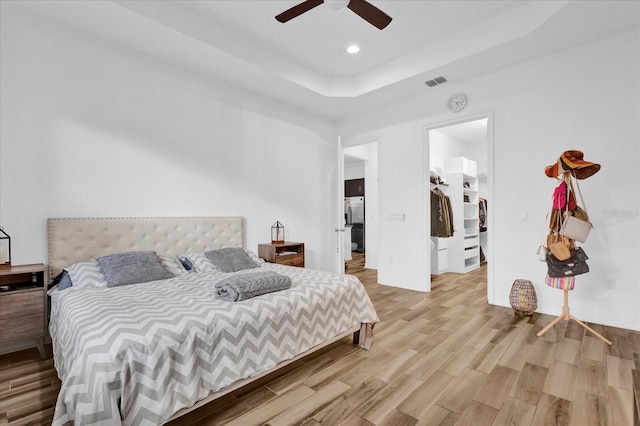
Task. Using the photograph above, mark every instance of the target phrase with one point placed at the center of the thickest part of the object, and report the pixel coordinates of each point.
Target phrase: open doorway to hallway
(361, 204)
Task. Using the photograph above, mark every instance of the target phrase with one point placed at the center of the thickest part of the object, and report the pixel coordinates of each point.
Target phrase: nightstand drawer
(21, 327)
(291, 260)
(21, 302)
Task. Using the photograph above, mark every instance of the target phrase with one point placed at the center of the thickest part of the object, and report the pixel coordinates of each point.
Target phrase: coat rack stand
(566, 315)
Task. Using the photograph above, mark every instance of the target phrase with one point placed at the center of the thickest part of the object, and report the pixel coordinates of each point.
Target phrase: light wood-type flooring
(442, 358)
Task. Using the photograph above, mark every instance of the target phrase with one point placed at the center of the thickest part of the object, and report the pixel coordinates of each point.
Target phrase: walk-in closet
(458, 199)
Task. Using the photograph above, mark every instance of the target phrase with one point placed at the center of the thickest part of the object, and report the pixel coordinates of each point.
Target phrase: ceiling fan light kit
(337, 5)
(362, 8)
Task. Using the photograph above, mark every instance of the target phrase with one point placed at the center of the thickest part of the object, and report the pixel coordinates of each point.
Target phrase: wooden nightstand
(23, 297)
(291, 254)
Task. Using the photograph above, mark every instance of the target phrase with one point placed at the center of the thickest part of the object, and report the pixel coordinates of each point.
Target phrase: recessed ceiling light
(353, 49)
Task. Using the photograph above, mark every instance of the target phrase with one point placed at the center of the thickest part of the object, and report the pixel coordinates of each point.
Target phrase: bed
(149, 352)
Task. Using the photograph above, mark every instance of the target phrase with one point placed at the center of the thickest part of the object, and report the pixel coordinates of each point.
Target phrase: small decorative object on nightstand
(291, 254)
(23, 305)
(277, 233)
(5, 249)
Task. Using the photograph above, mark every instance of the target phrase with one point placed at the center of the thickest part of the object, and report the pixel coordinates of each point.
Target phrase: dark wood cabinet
(354, 188)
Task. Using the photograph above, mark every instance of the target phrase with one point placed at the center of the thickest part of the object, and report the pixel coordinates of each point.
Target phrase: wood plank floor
(442, 358)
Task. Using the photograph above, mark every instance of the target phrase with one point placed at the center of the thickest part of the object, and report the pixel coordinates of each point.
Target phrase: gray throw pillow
(132, 267)
(231, 259)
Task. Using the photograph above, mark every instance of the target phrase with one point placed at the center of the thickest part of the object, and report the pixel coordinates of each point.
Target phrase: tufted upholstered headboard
(73, 240)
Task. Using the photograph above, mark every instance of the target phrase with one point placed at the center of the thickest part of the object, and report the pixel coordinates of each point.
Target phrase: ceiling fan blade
(298, 9)
(370, 13)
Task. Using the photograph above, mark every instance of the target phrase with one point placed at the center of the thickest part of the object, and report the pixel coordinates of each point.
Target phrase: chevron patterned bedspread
(136, 354)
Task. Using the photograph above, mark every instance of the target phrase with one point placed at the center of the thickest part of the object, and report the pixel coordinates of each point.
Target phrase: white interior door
(339, 212)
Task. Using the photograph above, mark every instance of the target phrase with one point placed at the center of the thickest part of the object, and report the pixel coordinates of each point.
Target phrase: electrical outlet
(611, 283)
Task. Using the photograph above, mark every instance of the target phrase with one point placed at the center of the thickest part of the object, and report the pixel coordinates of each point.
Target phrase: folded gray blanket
(245, 286)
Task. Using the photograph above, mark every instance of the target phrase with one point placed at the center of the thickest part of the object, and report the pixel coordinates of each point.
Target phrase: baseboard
(594, 319)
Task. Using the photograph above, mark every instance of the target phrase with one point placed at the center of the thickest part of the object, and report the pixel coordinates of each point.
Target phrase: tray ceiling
(304, 62)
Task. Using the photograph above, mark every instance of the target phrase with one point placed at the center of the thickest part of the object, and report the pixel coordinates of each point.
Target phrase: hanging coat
(441, 215)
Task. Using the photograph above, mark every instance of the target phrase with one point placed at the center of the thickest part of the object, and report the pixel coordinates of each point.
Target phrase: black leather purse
(575, 265)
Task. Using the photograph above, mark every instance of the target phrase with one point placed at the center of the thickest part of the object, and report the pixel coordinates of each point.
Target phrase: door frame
(489, 115)
(339, 228)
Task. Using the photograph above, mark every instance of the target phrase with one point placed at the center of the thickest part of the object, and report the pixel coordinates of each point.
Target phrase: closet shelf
(469, 177)
(438, 185)
(463, 248)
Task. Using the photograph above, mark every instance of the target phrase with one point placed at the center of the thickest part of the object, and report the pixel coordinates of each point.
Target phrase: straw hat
(572, 161)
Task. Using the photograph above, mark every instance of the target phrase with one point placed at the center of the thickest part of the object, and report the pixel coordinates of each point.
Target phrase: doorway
(360, 210)
(458, 164)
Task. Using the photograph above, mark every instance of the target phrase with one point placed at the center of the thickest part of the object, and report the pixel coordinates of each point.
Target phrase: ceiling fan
(362, 8)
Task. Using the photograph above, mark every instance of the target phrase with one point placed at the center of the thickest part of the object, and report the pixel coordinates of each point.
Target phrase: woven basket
(523, 297)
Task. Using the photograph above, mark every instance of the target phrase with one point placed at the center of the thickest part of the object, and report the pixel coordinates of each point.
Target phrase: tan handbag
(580, 213)
(559, 246)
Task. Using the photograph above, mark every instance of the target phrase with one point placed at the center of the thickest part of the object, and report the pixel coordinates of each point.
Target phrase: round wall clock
(457, 102)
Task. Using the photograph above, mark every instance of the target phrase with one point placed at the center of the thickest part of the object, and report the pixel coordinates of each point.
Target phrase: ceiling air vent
(436, 81)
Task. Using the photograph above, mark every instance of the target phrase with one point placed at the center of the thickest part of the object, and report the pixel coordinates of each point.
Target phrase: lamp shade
(277, 233)
(5, 249)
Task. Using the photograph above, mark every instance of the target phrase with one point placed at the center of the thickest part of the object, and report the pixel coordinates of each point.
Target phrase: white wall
(478, 153)
(442, 147)
(354, 170)
(90, 128)
(586, 98)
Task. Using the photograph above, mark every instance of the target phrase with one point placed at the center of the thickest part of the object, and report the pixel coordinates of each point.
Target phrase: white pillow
(202, 263)
(86, 274)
